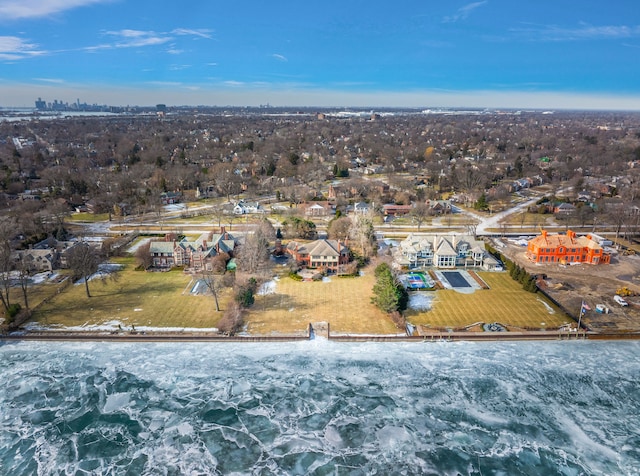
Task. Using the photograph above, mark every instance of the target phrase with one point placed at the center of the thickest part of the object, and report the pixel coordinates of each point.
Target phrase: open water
(318, 407)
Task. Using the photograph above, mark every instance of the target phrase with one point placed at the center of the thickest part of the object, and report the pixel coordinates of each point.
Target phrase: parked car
(620, 300)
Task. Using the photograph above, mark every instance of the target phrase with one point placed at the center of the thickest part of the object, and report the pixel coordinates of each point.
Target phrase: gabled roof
(161, 247)
(227, 245)
(445, 248)
(318, 248)
(324, 248)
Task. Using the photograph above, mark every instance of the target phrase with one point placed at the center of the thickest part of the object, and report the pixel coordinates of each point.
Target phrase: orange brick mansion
(566, 249)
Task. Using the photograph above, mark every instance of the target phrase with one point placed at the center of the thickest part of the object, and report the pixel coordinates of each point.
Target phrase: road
(493, 221)
(486, 225)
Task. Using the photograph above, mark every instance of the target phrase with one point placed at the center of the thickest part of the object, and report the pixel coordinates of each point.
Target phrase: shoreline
(60, 336)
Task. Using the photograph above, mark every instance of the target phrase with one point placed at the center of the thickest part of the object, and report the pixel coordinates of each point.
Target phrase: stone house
(197, 254)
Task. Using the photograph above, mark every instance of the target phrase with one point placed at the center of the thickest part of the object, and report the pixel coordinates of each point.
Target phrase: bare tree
(363, 234)
(6, 267)
(24, 268)
(469, 179)
(619, 217)
(213, 284)
(253, 254)
(218, 213)
(523, 218)
(419, 213)
(84, 261)
(143, 256)
(340, 228)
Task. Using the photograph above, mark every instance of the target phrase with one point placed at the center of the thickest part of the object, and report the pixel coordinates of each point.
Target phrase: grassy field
(36, 294)
(343, 302)
(505, 302)
(89, 217)
(163, 300)
(138, 298)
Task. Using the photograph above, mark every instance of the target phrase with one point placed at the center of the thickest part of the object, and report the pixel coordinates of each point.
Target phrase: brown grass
(159, 300)
(505, 302)
(138, 298)
(344, 302)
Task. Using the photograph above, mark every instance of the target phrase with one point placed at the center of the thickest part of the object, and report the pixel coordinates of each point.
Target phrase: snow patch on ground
(134, 247)
(420, 301)
(267, 288)
(40, 278)
(549, 308)
(114, 326)
(103, 271)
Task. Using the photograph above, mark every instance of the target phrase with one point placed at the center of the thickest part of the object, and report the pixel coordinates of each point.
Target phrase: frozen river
(319, 407)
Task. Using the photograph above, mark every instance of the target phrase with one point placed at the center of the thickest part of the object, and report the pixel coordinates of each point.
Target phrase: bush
(232, 320)
(351, 269)
(219, 263)
(245, 293)
(398, 319)
(13, 310)
(295, 276)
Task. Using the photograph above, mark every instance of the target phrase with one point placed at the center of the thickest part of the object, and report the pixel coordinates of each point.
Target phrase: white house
(361, 208)
(440, 250)
(243, 207)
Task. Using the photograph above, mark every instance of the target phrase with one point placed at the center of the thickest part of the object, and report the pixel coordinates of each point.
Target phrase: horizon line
(24, 96)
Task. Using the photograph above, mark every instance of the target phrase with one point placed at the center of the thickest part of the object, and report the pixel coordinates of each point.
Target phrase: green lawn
(505, 302)
(138, 298)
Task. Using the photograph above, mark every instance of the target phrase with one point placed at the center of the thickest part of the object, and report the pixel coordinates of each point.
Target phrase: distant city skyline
(488, 53)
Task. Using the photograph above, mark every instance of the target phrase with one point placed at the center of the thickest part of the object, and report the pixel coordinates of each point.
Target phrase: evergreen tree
(481, 203)
(384, 293)
(388, 294)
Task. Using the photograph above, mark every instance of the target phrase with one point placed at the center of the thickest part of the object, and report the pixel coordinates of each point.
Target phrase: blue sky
(487, 53)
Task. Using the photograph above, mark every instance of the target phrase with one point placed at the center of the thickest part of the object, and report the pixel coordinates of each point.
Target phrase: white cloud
(280, 57)
(582, 32)
(137, 38)
(463, 12)
(14, 48)
(169, 84)
(129, 38)
(51, 80)
(18, 9)
(200, 32)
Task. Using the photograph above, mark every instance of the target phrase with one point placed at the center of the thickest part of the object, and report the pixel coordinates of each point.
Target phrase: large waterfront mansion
(448, 250)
